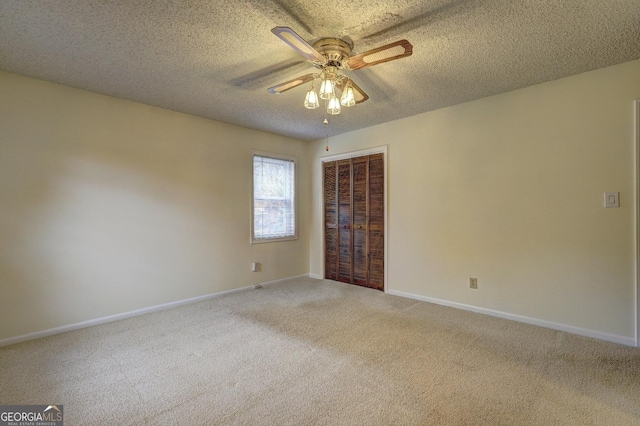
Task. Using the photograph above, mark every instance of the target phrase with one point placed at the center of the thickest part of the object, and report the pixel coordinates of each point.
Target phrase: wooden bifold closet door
(354, 220)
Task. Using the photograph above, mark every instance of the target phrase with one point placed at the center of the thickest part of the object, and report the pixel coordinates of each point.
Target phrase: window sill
(272, 240)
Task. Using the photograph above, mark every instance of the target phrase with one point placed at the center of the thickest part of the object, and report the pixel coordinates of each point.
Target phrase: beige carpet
(318, 352)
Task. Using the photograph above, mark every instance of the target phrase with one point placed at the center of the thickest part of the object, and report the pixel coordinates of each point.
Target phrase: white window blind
(273, 198)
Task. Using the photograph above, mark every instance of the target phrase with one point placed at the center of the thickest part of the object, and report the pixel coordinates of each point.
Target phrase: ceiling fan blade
(290, 37)
(283, 87)
(388, 52)
(358, 93)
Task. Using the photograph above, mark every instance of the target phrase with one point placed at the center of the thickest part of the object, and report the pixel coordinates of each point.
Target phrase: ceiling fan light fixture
(348, 98)
(326, 89)
(333, 107)
(311, 100)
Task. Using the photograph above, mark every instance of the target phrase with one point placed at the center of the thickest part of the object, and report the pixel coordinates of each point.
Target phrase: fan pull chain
(326, 123)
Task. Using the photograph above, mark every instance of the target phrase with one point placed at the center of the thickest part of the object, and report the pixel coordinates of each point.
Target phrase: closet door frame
(345, 156)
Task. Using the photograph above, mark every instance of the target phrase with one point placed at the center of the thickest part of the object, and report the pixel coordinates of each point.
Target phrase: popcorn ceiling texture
(215, 59)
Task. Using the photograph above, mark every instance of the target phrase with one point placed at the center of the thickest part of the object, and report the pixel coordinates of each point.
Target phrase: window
(273, 210)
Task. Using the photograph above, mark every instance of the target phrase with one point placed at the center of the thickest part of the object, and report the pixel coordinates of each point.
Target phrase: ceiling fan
(331, 56)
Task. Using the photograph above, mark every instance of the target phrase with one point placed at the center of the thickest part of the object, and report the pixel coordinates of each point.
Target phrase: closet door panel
(344, 221)
(360, 213)
(331, 221)
(376, 221)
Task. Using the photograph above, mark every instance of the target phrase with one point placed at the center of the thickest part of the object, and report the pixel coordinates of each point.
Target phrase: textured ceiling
(215, 58)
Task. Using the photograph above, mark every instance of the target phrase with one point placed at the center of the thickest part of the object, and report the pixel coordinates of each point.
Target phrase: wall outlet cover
(473, 283)
(611, 199)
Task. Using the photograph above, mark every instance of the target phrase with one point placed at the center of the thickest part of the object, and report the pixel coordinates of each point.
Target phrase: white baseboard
(628, 341)
(273, 282)
(316, 276)
(117, 317)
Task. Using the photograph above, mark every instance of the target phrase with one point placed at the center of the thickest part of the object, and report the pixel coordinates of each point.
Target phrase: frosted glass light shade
(348, 99)
(334, 106)
(326, 89)
(311, 100)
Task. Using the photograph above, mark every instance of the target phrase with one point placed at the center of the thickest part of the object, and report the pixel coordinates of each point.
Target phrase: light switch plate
(611, 199)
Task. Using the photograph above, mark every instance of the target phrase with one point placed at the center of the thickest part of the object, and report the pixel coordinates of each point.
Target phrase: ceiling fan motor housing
(335, 51)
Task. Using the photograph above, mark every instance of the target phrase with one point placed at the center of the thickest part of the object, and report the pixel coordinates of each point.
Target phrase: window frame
(294, 201)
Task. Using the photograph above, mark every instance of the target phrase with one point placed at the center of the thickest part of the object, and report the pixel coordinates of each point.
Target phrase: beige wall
(509, 189)
(108, 206)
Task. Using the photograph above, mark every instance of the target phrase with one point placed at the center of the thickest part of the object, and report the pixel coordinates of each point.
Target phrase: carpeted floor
(309, 352)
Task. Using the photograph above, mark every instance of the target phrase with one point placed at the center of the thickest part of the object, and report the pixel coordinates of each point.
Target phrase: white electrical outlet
(611, 199)
(255, 266)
